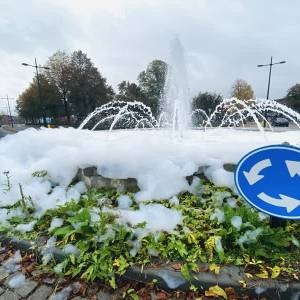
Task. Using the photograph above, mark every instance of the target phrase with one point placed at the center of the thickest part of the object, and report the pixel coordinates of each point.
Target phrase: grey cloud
(224, 40)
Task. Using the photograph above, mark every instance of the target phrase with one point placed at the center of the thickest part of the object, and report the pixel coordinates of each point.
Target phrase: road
(2, 134)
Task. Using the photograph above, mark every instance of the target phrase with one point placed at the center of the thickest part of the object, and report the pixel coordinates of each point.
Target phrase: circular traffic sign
(269, 179)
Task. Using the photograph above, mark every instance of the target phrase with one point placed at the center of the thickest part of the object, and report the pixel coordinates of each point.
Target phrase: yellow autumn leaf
(243, 283)
(214, 291)
(248, 275)
(264, 274)
(214, 268)
(191, 238)
(275, 272)
(116, 263)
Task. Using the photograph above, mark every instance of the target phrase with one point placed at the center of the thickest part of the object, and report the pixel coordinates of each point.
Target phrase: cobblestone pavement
(35, 288)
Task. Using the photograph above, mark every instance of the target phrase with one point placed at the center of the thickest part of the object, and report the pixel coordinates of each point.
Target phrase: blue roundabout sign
(269, 179)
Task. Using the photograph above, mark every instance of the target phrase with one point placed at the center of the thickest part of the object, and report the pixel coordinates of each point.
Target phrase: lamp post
(270, 65)
(42, 108)
(9, 110)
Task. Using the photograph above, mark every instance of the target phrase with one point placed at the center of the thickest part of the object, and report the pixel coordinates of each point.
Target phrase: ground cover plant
(105, 232)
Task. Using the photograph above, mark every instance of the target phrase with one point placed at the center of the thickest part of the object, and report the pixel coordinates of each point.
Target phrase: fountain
(176, 104)
(175, 107)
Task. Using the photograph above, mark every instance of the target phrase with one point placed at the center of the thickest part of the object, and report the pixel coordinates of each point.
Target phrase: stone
(8, 295)
(3, 273)
(200, 171)
(229, 167)
(1, 290)
(41, 293)
(91, 179)
(10, 277)
(90, 171)
(103, 296)
(79, 298)
(27, 288)
(41, 241)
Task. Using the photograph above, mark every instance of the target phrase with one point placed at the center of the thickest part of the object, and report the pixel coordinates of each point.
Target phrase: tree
(206, 101)
(28, 103)
(59, 74)
(152, 82)
(242, 90)
(293, 97)
(88, 89)
(129, 92)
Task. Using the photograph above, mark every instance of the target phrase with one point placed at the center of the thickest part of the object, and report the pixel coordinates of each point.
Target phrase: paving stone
(10, 277)
(3, 274)
(27, 288)
(103, 296)
(8, 295)
(41, 293)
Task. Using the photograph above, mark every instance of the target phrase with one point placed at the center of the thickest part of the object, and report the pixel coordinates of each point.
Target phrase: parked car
(279, 121)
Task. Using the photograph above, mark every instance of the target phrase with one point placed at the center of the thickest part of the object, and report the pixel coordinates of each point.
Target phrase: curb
(8, 129)
(169, 279)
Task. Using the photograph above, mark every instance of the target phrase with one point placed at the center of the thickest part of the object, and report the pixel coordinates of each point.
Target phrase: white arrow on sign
(293, 167)
(253, 175)
(288, 202)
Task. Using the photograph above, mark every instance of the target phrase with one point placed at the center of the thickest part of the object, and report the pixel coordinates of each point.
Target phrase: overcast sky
(223, 39)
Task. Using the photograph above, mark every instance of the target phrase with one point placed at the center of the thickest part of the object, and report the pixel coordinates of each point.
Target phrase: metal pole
(10, 116)
(270, 72)
(271, 64)
(40, 97)
(268, 91)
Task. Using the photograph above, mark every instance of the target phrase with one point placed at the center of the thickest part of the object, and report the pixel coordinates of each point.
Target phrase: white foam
(157, 218)
(219, 215)
(25, 227)
(159, 162)
(17, 281)
(71, 249)
(236, 221)
(55, 223)
(13, 263)
(124, 202)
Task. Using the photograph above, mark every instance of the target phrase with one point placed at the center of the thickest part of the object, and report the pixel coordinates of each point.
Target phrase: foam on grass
(157, 218)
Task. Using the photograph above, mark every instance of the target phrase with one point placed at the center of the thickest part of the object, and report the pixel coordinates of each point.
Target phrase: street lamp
(270, 65)
(42, 108)
(9, 110)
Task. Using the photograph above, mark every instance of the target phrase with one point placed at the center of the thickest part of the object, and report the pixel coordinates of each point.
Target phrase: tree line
(72, 87)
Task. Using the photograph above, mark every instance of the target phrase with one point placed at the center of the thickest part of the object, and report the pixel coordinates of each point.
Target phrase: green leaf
(185, 272)
(62, 231)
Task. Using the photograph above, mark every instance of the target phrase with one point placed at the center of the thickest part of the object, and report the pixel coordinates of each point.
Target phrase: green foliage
(130, 92)
(105, 245)
(88, 89)
(29, 105)
(41, 173)
(152, 82)
(71, 86)
(206, 102)
(292, 98)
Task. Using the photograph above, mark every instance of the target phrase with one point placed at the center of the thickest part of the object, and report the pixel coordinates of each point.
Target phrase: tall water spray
(176, 104)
